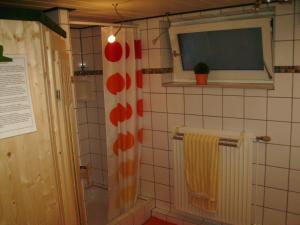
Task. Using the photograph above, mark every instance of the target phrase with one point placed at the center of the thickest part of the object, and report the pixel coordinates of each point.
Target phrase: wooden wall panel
(30, 189)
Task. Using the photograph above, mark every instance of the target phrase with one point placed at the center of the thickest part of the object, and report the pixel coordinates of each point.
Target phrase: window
(235, 50)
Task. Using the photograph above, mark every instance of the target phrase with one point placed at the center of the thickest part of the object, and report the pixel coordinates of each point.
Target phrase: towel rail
(226, 141)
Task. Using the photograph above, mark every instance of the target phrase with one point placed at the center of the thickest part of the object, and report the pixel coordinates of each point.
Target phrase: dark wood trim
(25, 14)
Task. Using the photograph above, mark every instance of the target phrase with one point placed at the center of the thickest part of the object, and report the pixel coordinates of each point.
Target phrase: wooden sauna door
(64, 128)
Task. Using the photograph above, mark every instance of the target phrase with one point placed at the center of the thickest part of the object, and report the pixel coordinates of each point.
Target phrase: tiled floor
(96, 204)
(156, 221)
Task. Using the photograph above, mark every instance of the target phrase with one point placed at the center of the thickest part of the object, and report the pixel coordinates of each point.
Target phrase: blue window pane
(238, 49)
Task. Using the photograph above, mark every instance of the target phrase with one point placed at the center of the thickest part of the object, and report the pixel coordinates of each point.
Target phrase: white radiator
(235, 185)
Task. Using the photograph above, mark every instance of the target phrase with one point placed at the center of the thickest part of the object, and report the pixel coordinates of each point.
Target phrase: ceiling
(103, 11)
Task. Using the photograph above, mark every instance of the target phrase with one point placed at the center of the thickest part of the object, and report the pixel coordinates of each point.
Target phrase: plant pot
(201, 79)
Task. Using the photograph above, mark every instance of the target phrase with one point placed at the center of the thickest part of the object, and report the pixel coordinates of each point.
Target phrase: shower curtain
(122, 79)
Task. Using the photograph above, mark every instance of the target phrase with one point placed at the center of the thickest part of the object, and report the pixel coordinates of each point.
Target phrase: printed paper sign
(16, 113)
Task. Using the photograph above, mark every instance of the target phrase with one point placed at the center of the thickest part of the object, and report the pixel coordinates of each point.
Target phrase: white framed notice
(16, 112)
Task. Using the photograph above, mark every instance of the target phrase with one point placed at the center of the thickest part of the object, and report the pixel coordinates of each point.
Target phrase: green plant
(201, 68)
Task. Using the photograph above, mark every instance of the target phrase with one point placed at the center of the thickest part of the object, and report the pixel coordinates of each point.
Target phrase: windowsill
(269, 86)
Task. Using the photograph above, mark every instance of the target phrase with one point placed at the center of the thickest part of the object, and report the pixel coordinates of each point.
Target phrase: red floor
(156, 221)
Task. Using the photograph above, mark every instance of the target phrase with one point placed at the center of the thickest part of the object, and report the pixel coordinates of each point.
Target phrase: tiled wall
(275, 113)
(86, 48)
(91, 133)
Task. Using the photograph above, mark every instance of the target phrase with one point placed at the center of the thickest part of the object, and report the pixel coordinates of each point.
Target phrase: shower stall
(91, 130)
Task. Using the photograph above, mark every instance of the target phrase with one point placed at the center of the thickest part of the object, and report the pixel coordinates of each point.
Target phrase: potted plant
(201, 72)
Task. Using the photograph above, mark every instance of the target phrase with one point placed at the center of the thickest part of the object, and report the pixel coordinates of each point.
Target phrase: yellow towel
(201, 165)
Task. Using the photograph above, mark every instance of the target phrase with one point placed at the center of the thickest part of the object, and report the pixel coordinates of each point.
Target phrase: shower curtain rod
(74, 22)
(226, 141)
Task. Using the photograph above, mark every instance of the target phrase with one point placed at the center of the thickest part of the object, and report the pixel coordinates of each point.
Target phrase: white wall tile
(279, 132)
(81, 116)
(175, 103)
(273, 217)
(233, 91)
(175, 90)
(295, 158)
(147, 172)
(278, 155)
(147, 139)
(283, 83)
(297, 26)
(83, 131)
(296, 87)
(96, 161)
(294, 202)
(147, 155)
(233, 124)
(256, 92)
(92, 115)
(294, 181)
(76, 47)
(144, 39)
(293, 219)
(145, 59)
(84, 147)
(88, 61)
(233, 106)
(284, 25)
(159, 121)
(153, 23)
(152, 36)
(147, 189)
(162, 192)
(193, 90)
(275, 199)
(87, 32)
(279, 109)
(297, 53)
(255, 108)
(175, 120)
(212, 105)
(162, 175)
(158, 102)
(161, 158)
(87, 45)
(155, 58)
(95, 146)
(296, 110)
(194, 121)
(296, 134)
(277, 177)
(147, 121)
(212, 91)
(147, 101)
(212, 122)
(257, 127)
(155, 84)
(283, 53)
(193, 104)
(160, 140)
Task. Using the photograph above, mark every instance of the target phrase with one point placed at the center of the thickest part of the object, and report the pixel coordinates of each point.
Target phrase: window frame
(231, 76)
